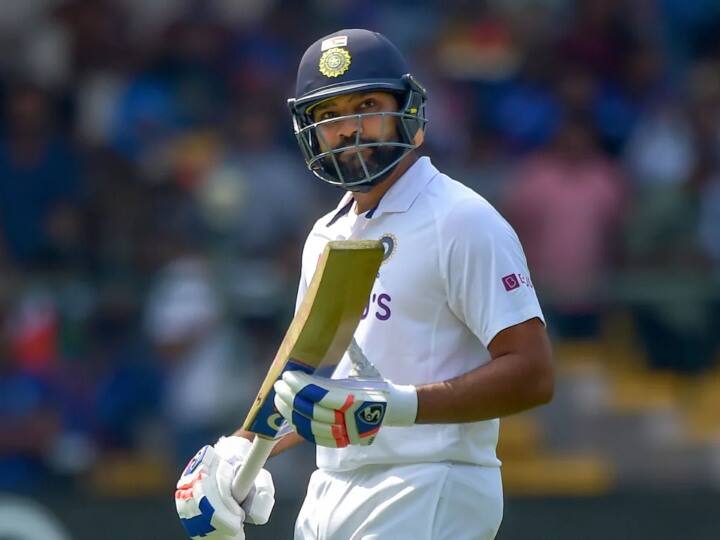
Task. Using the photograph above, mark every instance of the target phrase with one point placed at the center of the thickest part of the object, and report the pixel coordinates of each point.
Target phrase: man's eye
(327, 115)
(367, 104)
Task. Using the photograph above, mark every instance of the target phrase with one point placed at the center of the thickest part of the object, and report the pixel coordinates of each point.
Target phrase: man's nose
(348, 128)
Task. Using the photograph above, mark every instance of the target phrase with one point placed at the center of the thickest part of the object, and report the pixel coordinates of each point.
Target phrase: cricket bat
(315, 342)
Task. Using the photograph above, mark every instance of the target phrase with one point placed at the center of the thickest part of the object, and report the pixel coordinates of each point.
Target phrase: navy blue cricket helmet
(347, 62)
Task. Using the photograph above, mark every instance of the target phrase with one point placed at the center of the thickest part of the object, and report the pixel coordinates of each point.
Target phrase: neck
(366, 201)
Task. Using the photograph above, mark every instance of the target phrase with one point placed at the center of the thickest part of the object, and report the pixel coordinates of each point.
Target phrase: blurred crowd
(153, 202)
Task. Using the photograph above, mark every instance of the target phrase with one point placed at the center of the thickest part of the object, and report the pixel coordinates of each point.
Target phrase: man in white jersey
(453, 324)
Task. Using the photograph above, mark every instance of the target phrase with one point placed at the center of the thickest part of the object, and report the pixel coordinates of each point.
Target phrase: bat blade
(318, 336)
(324, 324)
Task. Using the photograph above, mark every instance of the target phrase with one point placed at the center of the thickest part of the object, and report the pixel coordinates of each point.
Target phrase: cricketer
(453, 324)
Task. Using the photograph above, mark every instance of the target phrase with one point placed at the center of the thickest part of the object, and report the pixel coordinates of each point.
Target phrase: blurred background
(153, 206)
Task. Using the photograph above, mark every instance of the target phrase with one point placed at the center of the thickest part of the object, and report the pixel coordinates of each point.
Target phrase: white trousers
(428, 501)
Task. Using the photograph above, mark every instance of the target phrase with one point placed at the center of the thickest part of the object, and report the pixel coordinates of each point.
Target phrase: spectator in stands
(208, 372)
(566, 203)
(29, 421)
(40, 182)
(705, 113)
(710, 220)
(253, 175)
(673, 161)
(128, 388)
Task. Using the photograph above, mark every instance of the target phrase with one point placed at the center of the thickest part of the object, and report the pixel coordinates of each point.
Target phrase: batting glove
(340, 412)
(203, 497)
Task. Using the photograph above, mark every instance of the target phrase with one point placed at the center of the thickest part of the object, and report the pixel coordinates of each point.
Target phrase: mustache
(350, 142)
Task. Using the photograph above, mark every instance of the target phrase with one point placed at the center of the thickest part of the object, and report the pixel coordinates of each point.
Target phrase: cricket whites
(315, 342)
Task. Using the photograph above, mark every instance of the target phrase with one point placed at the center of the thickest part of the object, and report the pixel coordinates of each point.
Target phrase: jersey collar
(400, 197)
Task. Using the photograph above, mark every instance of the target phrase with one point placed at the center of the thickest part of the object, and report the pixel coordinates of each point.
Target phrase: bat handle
(254, 461)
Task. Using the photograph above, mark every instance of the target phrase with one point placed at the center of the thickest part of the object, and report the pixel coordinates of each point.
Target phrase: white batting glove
(203, 497)
(340, 412)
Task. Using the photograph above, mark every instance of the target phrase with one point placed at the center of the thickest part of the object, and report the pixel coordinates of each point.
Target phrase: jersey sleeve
(486, 274)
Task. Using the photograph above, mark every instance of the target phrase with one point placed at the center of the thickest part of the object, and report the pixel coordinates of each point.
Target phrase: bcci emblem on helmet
(334, 62)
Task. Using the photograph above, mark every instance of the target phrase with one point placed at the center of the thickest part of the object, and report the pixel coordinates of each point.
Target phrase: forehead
(348, 99)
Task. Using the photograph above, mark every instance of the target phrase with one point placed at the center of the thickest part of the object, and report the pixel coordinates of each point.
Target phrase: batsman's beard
(376, 159)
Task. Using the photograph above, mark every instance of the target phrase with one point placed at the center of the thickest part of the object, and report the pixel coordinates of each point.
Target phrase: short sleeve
(485, 270)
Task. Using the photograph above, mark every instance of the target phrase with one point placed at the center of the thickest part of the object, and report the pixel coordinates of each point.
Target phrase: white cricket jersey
(454, 275)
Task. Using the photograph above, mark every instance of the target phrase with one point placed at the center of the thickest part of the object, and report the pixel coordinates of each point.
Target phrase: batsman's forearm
(288, 441)
(506, 385)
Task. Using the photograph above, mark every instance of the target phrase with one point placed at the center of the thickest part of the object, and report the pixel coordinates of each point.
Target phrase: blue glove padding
(339, 412)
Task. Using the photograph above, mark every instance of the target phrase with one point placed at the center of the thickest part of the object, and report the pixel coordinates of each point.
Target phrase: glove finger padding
(330, 413)
(315, 431)
(203, 511)
(260, 501)
(303, 405)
